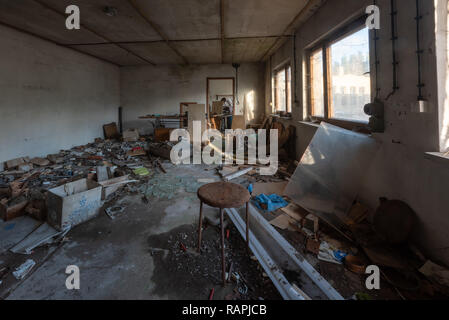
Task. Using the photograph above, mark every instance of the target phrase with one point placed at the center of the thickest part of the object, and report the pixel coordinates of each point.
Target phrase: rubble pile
(25, 182)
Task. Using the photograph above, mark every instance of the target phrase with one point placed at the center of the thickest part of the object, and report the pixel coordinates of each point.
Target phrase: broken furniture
(223, 195)
(110, 131)
(131, 135)
(73, 203)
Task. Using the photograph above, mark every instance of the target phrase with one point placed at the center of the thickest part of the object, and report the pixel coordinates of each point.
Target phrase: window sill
(278, 116)
(438, 157)
(311, 124)
(361, 127)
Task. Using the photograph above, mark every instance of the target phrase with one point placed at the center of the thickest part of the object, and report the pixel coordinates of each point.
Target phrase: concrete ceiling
(164, 31)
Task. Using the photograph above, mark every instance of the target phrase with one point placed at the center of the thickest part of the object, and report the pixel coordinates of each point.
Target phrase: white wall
(159, 90)
(401, 170)
(51, 97)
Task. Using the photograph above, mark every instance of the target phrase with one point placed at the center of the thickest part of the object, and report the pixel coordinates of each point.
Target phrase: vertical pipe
(419, 51)
(394, 38)
(376, 57)
(295, 66)
(120, 119)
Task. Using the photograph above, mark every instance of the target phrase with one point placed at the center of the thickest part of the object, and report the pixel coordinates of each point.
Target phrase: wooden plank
(238, 122)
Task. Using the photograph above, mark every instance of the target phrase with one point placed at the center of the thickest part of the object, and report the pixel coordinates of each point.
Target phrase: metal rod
(223, 262)
(271, 268)
(200, 226)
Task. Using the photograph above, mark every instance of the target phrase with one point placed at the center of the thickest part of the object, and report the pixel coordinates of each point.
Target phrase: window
(339, 75)
(317, 83)
(281, 82)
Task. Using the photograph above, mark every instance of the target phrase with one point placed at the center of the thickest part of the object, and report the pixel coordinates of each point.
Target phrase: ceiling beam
(222, 31)
(96, 33)
(308, 6)
(56, 43)
(158, 30)
(178, 40)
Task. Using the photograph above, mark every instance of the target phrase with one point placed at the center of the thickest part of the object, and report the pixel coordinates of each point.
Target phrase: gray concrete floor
(115, 257)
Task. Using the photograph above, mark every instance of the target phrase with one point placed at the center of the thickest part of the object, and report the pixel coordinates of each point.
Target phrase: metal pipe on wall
(419, 51)
(394, 38)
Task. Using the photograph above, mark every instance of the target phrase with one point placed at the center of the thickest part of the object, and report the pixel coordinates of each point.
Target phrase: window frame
(284, 67)
(324, 46)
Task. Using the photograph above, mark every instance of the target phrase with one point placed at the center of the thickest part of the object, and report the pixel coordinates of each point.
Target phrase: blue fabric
(270, 203)
(340, 255)
(250, 188)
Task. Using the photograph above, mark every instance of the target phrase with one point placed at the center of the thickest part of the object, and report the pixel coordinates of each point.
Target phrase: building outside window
(339, 76)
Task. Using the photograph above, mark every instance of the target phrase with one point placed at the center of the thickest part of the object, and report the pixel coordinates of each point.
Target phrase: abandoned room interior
(224, 150)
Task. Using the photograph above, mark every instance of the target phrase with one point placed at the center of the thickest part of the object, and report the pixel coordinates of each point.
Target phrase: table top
(177, 117)
(224, 195)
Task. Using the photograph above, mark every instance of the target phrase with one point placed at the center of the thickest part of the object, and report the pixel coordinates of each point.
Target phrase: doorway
(218, 88)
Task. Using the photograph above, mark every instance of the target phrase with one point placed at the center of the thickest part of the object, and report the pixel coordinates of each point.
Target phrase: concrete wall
(160, 90)
(401, 170)
(51, 97)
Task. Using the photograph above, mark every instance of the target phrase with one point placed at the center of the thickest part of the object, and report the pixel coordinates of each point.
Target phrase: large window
(282, 89)
(339, 76)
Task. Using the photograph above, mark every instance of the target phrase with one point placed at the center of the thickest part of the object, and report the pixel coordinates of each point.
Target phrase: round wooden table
(223, 195)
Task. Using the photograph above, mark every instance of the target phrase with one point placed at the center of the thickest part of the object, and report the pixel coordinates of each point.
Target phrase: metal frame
(293, 254)
(268, 264)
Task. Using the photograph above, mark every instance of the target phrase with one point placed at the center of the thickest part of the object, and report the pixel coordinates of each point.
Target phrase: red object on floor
(95, 158)
(211, 295)
(227, 234)
(183, 247)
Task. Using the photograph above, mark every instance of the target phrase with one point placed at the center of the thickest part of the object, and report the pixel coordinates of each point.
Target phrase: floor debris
(21, 271)
(114, 211)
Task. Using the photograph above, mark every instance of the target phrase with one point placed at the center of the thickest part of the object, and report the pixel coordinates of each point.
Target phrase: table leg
(200, 228)
(223, 263)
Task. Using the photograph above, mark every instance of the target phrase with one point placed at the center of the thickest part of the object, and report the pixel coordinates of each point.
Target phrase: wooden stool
(223, 195)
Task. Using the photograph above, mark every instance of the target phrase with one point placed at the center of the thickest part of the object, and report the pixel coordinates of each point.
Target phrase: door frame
(207, 92)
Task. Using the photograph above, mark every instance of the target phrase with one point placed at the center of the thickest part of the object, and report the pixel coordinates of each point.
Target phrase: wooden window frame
(284, 67)
(324, 46)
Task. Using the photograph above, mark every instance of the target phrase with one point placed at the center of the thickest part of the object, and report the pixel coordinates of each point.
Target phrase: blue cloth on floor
(270, 203)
